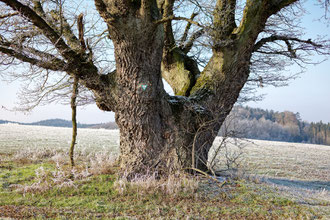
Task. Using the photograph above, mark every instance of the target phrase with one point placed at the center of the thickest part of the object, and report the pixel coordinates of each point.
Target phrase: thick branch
(57, 65)
(8, 15)
(81, 32)
(224, 18)
(39, 22)
(186, 31)
(275, 6)
(187, 46)
(102, 9)
(274, 38)
(37, 7)
(166, 19)
(76, 63)
(169, 41)
(178, 69)
(56, 16)
(66, 31)
(255, 16)
(19, 49)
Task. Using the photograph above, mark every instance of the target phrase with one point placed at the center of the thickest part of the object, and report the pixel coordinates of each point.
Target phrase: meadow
(272, 180)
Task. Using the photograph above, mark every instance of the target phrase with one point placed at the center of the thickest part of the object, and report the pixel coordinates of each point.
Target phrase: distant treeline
(51, 123)
(64, 123)
(287, 126)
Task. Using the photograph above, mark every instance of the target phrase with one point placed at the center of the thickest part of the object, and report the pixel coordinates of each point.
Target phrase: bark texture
(163, 133)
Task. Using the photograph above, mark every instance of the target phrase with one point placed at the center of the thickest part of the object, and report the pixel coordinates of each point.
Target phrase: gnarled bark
(163, 133)
(156, 130)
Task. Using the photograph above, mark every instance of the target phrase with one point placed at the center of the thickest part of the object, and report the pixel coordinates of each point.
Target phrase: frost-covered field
(267, 158)
(16, 137)
(289, 160)
(300, 170)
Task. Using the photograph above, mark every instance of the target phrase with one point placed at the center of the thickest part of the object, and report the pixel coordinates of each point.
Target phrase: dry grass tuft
(33, 154)
(60, 157)
(46, 180)
(62, 176)
(146, 184)
(101, 162)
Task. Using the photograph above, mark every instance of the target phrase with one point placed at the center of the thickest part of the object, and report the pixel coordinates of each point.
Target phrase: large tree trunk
(141, 110)
(160, 133)
(140, 113)
(164, 137)
(157, 132)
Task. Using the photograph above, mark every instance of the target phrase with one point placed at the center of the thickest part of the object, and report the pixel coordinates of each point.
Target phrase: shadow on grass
(308, 185)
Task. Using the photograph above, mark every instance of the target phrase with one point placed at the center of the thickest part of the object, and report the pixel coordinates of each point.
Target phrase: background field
(300, 172)
(15, 137)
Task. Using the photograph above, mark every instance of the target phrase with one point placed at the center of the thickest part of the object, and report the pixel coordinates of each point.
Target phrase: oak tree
(225, 46)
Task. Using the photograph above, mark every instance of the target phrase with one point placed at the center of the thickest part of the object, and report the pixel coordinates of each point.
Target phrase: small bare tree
(42, 88)
(74, 119)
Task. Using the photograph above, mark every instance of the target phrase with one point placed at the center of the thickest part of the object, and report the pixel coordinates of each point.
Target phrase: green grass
(97, 197)
(23, 149)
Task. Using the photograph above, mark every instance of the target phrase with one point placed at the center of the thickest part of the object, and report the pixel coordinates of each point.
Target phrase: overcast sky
(309, 95)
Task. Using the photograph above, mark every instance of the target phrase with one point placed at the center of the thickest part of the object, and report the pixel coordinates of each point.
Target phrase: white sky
(309, 95)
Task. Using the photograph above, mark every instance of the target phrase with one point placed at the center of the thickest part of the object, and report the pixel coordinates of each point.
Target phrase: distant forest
(255, 123)
(51, 123)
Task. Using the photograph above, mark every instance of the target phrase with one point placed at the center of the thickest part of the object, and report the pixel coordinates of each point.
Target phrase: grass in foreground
(44, 188)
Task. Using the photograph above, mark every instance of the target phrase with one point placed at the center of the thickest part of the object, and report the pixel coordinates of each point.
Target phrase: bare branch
(102, 9)
(38, 9)
(286, 39)
(187, 46)
(8, 15)
(81, 32)
(57, 65)
(39, 22)
(66, 31)
(224, 18)
(170, 18)
(186, 31)
(256, 14)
